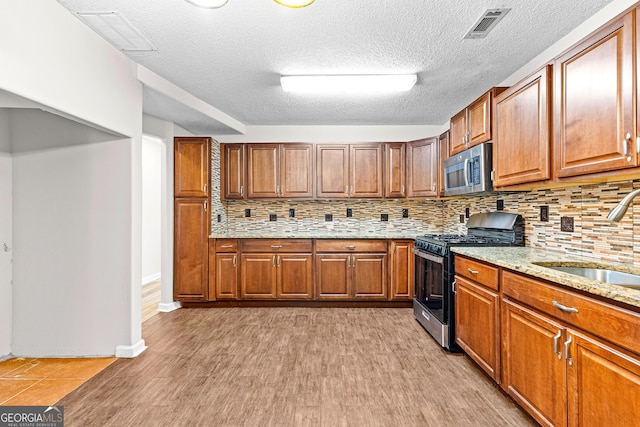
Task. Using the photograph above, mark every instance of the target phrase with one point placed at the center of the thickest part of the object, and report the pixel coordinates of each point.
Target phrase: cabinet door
(533, 373)
(191, 162)
(402, 273)
(458, 133)
(443, 153)
(333, 276)
(294, 276)
(332, 170)
(366, 170)
(262, 171)
(521, 144)
(211, 281)
(226, 276)
(479, 120)
(233, 171)
(593, 103)
(395, 165)
(477, 324)
(191, 236)
(369, 276)
(422, 174)
(258, 275)
(604, 384)
(296, 170)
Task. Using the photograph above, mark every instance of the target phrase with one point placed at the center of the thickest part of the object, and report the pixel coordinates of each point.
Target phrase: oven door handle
(425, 255)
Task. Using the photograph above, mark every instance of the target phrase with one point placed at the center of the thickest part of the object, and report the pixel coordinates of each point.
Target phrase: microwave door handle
(466, 172)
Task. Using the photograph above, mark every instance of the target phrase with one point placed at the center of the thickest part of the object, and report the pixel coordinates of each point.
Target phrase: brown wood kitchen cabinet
(443, 153)
(473, 125)
(422, 168)
(276, 269)
(395, 167)
(354, 170)
(223, 279)
(477, 308)
(192, 218)
(401, 270)
(522, 131)
(569, 359)
(593, 102)
(351, 269)
(232, 171)
(280, 170)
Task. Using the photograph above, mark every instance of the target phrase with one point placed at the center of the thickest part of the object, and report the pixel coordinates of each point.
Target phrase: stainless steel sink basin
(608, 276)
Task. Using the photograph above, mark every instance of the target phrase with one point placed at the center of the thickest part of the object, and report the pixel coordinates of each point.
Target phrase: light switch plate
(566, 224)
(544, 213)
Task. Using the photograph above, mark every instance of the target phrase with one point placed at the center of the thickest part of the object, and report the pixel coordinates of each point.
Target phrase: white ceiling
(232, 57)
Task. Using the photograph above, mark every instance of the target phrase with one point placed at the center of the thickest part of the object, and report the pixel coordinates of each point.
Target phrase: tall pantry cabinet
(192, 218)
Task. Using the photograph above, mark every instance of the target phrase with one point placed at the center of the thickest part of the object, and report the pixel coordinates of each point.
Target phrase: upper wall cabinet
(349, 170)
(472, 126)
(279, 170)
(395, 167)
(422, 169)
(191, 162)
(522, 131)
(232, 171)
(593, 103)
(443, 153)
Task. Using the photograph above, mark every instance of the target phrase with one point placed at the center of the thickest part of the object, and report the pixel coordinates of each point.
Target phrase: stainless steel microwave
(469, 171)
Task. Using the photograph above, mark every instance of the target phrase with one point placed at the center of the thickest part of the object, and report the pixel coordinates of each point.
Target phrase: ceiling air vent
(486, 23)
(116, 29)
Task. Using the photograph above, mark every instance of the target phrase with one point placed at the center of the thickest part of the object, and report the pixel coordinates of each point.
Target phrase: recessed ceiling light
(348, 83)
(294, 3)
(208, 4)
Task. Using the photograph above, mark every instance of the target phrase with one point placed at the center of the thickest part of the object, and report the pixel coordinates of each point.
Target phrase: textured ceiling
(232, 57)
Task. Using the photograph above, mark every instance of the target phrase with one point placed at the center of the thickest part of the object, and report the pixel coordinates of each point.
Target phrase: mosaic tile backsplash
(593, 235)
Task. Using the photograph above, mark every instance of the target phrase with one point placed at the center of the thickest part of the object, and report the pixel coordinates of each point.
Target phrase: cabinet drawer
(226, 245)
(615, 324)
(479, 272)
(351, 245)
(276, 245)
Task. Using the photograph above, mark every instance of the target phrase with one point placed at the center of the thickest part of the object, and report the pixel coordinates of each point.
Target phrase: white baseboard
(168, 307)
(150, 278)
(130, 351)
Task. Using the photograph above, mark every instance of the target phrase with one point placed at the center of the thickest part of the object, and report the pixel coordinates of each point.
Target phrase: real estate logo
(31, 416)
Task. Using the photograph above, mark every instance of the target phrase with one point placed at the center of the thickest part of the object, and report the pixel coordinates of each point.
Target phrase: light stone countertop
(523, 260)
(315, 235)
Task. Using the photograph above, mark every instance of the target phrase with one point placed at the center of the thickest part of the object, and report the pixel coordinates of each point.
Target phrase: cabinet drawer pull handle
(626, 147)
(349, 261)
(226, 246)
(564, 307)
(472, 271)
(555, 345)
(242, 190)
(276, 246)
(234, 260)
(350, 246)
(566, 351)
(453, 286)
(278, 262)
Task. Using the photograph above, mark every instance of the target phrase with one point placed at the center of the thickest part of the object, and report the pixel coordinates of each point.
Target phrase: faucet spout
(618, 212)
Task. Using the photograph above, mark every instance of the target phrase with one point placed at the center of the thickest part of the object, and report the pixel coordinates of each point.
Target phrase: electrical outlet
(219, 218)
(292, 213)
(467, 212)
(566, 224)
(328, 217)
(461, 219)
(405, 213)
(384, 217)
(349, 212)
(544, 213)
(247, 213)
(499, 205)
(273, 217)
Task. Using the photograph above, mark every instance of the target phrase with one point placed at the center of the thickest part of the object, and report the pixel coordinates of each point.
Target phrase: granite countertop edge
(399, 236)
(523, 259)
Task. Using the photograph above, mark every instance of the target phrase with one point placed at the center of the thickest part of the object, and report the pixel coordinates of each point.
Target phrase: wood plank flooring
(290, 367)
(150, 299)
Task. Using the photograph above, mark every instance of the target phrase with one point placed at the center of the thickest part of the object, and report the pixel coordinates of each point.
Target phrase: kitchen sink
(613, 277)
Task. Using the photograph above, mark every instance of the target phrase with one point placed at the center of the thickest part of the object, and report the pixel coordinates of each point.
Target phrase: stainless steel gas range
(433, 304)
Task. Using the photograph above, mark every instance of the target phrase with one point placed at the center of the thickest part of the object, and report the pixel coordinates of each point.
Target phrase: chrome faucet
(618, 212)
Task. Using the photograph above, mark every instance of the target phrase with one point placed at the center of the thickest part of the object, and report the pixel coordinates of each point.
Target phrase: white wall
(151, 205)
(5, 237)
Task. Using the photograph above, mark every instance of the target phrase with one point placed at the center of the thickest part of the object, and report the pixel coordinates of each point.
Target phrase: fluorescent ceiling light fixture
(208, 4)
(294, 3)
(117, 30)
(349, 83)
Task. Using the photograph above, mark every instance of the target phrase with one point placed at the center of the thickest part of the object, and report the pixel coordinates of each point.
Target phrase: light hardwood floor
(290, 366)
(150, 299)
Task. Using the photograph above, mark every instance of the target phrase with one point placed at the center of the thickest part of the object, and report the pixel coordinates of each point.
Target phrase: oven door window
(429, 281)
